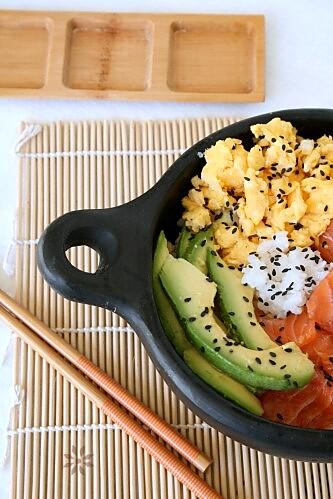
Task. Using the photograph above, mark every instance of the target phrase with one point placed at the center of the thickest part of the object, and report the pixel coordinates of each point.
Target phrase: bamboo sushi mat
(61, 445)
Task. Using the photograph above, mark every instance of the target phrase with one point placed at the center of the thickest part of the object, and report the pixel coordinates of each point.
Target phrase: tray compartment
(109, 55)
(24, 49)
(212, 57)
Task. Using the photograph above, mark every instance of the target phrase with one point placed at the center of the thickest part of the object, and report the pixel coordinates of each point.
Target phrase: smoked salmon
(320, 303)
(311, 406)
(325, 244)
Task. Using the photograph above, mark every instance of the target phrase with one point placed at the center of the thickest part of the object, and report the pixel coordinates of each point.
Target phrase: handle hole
(84, 258)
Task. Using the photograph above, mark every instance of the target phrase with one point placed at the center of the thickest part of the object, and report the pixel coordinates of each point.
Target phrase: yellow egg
(282, 183)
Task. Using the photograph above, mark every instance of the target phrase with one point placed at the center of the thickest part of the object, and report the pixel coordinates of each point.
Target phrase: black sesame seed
(202, 349)
(326, 208)
(281, 136)
(253, 323)
(287, 376)
(288, 170)
(203, 243)
(250, 368)
(186, 300)
(208, 279)
(204, 312)
(322, 173)
(217, 349)
(259, 349)
(192, 319)
(272, 354)
(273, 139)
(274, 164)
(289, 150)
(284, 271)
(272, 362)
(215, 340)
(231, 313)
(234, 230)
(250, 314)
(245, 298)
(213, 253)
(258, 361)
(247, 179)
(283, 147)
(284, 366)
(266, 304)
(231, 267)
(208, 327)
(328, 376)
(288, 350)
(231, 350)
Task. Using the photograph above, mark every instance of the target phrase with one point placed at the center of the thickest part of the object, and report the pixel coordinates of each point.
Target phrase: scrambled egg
(284, 183)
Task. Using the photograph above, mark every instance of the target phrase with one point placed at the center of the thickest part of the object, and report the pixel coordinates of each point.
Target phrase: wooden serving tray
(179, 57)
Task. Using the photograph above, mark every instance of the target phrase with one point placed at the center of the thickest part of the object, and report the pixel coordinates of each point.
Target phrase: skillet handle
(121, 239)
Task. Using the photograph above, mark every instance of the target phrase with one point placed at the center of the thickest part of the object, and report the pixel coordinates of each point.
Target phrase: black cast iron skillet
(125, 238)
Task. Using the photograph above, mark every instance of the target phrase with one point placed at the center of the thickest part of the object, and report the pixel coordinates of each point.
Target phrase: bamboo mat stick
(118, 415)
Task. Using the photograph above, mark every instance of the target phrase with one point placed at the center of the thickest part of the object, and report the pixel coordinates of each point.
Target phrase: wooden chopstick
(34, 332)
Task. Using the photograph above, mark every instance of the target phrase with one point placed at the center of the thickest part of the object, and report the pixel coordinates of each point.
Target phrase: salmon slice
(325, 244)
(320, 303)
(320, 352)
(321, 402)
(298, 328)
(311, 406)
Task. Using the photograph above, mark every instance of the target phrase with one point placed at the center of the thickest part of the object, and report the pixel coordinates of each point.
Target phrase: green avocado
(197, 249)
(222, 383)
(197, 363)
(192, 294)
(183, 242)
(236, 304)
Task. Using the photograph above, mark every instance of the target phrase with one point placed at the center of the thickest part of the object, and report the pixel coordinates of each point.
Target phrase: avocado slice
(192, 294)
(236, 304)
(222, 383)
(183, 242)
(197, 363)
(197, 249)
(168, 317)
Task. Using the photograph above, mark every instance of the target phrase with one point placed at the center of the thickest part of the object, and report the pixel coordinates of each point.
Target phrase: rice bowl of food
(231, 281)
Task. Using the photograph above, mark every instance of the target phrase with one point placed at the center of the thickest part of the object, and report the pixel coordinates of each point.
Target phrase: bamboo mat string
(61, 445)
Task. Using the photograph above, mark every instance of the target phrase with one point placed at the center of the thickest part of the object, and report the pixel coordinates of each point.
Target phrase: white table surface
(299, 73)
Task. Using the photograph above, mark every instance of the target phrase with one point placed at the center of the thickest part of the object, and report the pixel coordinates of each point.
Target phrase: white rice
(278, 290)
